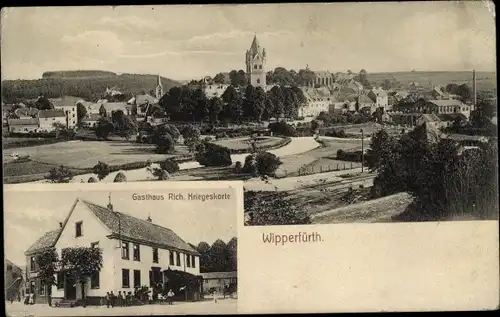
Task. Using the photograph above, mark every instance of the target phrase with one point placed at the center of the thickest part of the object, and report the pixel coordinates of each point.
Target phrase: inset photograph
(122, 251)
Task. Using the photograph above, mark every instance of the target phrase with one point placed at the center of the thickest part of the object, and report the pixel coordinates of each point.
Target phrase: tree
(101, 169)
(92, 180)
(191, 136)
(386, 85)
(80, 264)
(120, 178)
(232, 259)
(47, 262)
(218, 256)
(81, 112)
(43, 103)
(249, 102)
(170, 166)
(104, 128)
(267, 163)
(259, 104)
(164, 143)
(379, 151)
(210, 154)
(451, 88)
(102, 111)
(216, 105)
(220, 78)
(233, 104)
(464, 92)
(273, 211)
(60, 174)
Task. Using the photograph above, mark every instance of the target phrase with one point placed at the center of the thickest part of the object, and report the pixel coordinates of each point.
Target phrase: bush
(92, 180)
(238, 167)
(161, 174)
(209, 154)
(250, 166)
(164, 144)
(101, 169)
(282, 128)
(267, 163)
(120, 178)
(60, 174)
(170, 166)
(336, 134)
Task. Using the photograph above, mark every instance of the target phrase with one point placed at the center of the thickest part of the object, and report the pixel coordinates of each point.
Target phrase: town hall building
(135, 253)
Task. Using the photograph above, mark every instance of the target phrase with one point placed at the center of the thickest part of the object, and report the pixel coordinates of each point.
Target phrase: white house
(47, 118)
(135, 252)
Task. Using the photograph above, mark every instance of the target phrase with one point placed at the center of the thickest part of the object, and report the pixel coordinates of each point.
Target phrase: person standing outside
(170, 297)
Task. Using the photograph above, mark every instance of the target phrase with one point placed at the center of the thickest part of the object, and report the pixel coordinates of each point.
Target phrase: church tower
(256, 64)
(159, 89)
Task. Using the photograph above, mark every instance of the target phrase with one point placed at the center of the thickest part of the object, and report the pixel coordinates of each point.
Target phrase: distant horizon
(184, 42)
(201, 76)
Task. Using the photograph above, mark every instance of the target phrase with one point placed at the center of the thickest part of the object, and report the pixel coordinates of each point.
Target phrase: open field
(317, 160)
(484, 80)
(245, 143)
(85, 154)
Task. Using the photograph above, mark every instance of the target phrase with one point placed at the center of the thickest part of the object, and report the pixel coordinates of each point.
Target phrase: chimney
(474, 100)
(110, 206)
(60, 225)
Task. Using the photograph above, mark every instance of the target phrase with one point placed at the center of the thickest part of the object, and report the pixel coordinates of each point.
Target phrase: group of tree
(218, 257)
(279, 76)
(330, 119)
(362, 78)
(264, 209)
(88, 87)
(234, 105)
(118, 124)
(79, 265)
(445, 179)
(463, 90)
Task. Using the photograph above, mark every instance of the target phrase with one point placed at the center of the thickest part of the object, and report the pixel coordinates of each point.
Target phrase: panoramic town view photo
(329, 113)
(120, 252)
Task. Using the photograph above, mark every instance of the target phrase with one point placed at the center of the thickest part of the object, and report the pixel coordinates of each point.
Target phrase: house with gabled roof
(135, 253)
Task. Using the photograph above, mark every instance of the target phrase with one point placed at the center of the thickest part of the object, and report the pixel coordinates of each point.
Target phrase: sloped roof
(142, 99)
(363, 99)
(92, 117)
(452, 116)
(446, 102)
(65, 101)
(135, 228)
(48, 240)
(430, 117)
(219, 275)
(29, 121)
(379, 92)
(114, 106)
(51, 113)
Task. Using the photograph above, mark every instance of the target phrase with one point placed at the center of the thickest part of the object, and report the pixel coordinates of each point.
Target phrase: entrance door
(69, 289)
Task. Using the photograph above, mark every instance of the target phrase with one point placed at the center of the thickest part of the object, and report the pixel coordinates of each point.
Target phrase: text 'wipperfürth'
(282, 239)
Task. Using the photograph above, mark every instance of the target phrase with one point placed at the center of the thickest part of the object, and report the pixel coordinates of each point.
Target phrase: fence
(323, 168)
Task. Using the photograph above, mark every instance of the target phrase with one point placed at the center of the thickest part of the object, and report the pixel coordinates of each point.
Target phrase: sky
(29, 214)
(186, 42)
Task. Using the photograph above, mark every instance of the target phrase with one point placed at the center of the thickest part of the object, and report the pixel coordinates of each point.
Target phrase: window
(155, 255)
(125, 251)
(171, 259)
(193, 261)
(78, 229)
(125, 278)
(178, 258)
(137, 252)
(60, 280)
(95, 280)
(32, 264)
(94, 245)
(150, 278)
(137, 278)
(254, 66)
(258, 80)
(188, 260)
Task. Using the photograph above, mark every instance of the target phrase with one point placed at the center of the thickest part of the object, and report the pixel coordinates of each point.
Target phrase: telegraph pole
(362, 151)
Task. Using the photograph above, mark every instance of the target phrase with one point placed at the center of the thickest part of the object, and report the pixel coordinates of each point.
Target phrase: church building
(159, 89)
(256, 64)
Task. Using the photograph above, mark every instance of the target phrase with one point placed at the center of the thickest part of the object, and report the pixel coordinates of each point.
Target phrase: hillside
(484, 80)
(77, 74)
(89, 88)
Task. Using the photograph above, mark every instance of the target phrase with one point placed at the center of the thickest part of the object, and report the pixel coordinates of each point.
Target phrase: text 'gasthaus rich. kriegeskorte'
(182, 196)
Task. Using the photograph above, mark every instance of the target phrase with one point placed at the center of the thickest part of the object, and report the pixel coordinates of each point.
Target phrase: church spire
(159, 80)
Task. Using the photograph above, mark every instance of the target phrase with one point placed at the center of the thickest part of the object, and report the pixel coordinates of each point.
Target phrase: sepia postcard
(124, 249)
(363, 135)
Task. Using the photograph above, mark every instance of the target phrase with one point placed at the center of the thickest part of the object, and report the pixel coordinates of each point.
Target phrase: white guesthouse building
(135, 253)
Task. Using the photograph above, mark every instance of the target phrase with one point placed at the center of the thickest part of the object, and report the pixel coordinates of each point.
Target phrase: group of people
(29, 299)
(120, 300)
(125, 299)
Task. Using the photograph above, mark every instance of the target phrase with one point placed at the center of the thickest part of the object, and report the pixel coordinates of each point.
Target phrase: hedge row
(30, 142)
(351, 156)
(283, 142)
